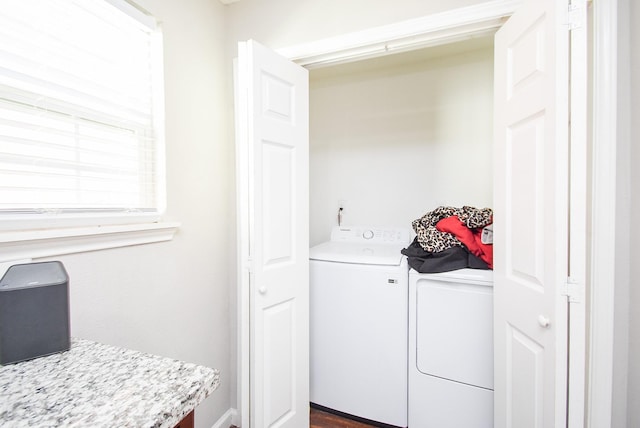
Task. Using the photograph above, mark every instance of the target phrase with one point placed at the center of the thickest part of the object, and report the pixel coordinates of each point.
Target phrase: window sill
(32, 244)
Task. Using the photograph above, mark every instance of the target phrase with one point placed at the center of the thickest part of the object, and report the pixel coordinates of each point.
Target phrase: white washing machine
(451, 349)
(358, 324)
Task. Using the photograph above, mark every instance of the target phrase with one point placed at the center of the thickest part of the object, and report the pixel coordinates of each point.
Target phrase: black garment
(443, 261)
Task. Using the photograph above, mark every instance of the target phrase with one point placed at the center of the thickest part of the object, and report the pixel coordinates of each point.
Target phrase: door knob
(543, 321)
(262, 290)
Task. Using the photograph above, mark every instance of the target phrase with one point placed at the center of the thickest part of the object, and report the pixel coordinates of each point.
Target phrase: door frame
(430, 30)
(484, 19)
(605, 127)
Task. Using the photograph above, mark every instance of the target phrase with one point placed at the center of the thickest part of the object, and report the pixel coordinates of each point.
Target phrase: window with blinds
(81, 110)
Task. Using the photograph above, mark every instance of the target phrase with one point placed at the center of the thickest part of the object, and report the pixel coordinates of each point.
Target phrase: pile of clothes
(450, 238)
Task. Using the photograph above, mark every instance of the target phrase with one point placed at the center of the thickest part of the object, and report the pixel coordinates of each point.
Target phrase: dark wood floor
(320, 419)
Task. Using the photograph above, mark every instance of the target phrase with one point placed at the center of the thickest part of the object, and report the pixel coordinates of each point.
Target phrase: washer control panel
(371, 234)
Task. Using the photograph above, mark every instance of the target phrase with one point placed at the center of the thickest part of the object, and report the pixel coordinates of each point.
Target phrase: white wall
(171, 298)
(281, 23)
(397, 136)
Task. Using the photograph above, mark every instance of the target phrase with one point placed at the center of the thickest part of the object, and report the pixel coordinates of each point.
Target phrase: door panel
(273, 165)
(524, 143)
(278, 203)
(279, 363)
(531, 205)
(525, 380)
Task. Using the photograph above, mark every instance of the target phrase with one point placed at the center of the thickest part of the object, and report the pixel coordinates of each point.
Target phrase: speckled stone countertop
(95, 385)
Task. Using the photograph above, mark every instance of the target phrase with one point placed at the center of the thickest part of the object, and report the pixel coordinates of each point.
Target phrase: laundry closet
(392, 138)
(395, 136)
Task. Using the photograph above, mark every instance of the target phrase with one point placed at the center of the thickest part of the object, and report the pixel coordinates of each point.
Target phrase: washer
(451, 349)
(358, 324)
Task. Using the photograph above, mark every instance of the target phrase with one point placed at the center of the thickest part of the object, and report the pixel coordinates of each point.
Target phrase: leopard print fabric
(434, 241)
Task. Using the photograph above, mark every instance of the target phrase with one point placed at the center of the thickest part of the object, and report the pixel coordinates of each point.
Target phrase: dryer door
(454, 331)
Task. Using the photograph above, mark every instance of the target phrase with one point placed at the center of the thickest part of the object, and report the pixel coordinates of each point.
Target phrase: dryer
(358, 324)
(451, 349)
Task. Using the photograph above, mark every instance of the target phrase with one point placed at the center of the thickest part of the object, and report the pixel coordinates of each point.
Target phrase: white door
(273, 186)
(531, 216)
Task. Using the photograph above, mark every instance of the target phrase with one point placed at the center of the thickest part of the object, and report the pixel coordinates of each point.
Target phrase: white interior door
(531, 206)
(273, 169)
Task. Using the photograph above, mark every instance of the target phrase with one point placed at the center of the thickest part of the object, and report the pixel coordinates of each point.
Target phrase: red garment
(471, 238)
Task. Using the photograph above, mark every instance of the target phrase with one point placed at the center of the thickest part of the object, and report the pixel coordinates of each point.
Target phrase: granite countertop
(95, 385)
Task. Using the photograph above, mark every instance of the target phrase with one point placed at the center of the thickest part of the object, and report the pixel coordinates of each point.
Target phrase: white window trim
(33, 244)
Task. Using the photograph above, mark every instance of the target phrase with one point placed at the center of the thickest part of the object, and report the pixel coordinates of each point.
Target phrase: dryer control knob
(367, 234)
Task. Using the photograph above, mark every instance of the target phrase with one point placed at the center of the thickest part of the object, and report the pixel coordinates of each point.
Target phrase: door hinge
(574, 290)
(577, 15)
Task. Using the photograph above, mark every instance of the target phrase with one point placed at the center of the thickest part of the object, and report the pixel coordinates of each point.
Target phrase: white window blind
(81, 110)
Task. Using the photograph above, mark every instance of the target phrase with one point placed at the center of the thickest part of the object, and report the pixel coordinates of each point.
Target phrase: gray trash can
(34, 311)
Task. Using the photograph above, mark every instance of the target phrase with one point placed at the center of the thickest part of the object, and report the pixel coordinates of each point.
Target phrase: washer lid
(348, 252)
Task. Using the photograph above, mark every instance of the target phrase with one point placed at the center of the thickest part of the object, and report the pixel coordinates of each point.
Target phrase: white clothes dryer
(451, 349)
(358, 324)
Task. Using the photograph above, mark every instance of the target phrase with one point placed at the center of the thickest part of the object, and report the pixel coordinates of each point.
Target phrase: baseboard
(236, 419)
(229, 418)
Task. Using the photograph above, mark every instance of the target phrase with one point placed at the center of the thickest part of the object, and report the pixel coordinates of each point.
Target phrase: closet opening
(395, 136)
